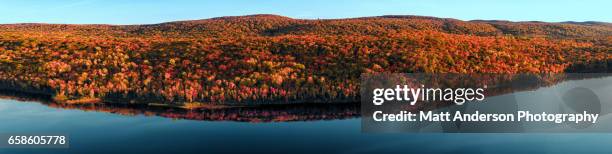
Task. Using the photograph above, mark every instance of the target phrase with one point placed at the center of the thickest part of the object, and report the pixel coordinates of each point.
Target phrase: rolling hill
(271, 58)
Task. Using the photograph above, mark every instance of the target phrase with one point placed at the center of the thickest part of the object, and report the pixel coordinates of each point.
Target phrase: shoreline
(24, 91)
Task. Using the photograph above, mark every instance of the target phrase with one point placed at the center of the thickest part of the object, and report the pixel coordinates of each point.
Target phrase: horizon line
(297, 18)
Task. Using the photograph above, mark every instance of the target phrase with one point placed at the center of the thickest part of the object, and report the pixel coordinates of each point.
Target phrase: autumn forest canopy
(269, 58)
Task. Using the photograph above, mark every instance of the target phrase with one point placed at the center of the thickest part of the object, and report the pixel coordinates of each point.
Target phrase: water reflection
(265, 113)
(495, 84)
(260, 113)
(293, 112)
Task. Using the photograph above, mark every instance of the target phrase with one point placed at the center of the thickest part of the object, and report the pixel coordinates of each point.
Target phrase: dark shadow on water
(260, 113)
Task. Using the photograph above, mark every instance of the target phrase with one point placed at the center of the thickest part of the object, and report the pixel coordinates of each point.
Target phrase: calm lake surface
(93, 131)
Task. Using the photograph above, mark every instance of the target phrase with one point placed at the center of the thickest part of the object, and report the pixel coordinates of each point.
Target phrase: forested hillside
(269, 58)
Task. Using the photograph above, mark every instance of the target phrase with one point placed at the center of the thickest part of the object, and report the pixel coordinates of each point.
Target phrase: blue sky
(156, 11)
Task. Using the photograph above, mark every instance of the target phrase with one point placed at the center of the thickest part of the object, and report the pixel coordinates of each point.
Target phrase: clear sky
(156, 11)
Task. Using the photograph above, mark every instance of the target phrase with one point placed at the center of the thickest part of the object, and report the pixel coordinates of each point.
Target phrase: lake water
(93, 131)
